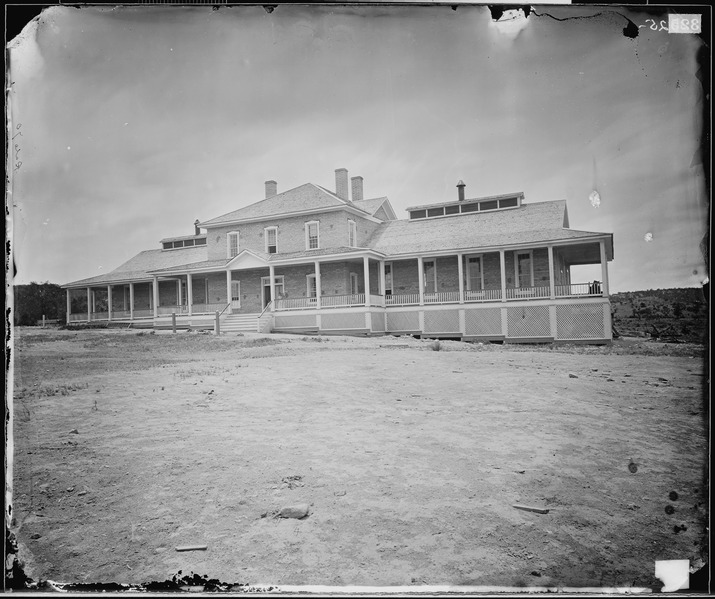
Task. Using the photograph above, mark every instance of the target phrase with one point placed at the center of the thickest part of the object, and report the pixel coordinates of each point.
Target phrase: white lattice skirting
(528, 321)
(580, 322)
(441, 321)
(483, 322)
(403, 321)
(296, 321)
(342, 321)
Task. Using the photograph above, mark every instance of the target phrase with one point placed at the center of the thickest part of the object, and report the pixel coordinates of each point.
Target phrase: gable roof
(372, 205)
(139, 267)
(530, 223)
(304, 198)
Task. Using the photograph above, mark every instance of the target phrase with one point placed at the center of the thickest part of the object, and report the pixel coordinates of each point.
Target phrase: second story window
(232, 244)
(271, 240)
(352, 234)
(312, 235)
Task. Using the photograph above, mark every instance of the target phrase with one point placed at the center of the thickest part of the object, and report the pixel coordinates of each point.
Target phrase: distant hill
(667, 314)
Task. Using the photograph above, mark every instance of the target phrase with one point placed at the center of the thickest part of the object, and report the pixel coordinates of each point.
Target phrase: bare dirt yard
(130, 444)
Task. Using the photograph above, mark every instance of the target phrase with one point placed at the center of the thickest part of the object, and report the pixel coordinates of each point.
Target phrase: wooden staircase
(239, 323)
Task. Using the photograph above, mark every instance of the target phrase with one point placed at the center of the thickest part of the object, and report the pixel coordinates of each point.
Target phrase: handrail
(268, 305)
(224, 309)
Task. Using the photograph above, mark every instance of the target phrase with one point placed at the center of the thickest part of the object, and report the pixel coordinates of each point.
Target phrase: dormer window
(271, 234)
(352, 234)
(232, 244)
(312, 235)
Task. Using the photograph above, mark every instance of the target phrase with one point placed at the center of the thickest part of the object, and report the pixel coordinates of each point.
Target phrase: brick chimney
(356, 188)
(197, 230)
(460, 190)
(271, 189)
(341, 184)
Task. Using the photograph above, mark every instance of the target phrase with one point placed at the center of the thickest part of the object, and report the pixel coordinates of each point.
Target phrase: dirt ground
(129, 444)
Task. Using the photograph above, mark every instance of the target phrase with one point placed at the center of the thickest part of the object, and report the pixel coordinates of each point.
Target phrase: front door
(266, 286)
(235, 294)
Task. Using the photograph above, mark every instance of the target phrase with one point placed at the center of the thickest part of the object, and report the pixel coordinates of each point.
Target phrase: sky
(129, 123)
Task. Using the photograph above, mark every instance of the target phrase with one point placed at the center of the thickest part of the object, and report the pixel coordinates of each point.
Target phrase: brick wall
(291, 233)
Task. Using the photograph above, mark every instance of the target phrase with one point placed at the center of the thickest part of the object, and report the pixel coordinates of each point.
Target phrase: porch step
(240, 323)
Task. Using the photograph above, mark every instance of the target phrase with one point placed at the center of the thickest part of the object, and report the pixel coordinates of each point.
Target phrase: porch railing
(298, 303)
(148, 313)
(594, 288)
(528, 293)
(482, 295)
(402, 299)
(341, 301)
(442, 297)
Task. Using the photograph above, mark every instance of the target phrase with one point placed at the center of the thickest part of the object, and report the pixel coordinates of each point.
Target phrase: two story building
(326, 261)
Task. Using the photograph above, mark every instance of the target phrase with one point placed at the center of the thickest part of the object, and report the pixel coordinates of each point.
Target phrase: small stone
(70, 489)
(535, 573)
(74, 431)
(82, 493)
(572, 375)
(673, 496)
(669, 509)
(37, 535)
(298, 511)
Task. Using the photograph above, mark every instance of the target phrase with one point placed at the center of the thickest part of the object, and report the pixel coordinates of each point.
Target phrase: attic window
(490, 205)
(435, 211)
(509, 203)
(470, 208)
(451, 209)
(201, 241)
(418, 214)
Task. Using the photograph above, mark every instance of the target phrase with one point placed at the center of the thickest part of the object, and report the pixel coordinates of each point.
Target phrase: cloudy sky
(131, 122)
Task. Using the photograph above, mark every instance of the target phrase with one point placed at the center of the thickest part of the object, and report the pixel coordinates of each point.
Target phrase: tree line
(33, 301)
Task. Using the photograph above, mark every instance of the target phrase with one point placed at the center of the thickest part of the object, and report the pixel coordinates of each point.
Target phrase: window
(232, 243)
(524, 265)
(352, 234)
(271, 239)
(312, 235)
(490, 205)
(470, 208)
(509, 203)
(435, 211)
(451, 209)
(201, 241)
(418, 214)
(475, 280)
(311, 286)
(388, 278)
(353, 283)
(430, 273)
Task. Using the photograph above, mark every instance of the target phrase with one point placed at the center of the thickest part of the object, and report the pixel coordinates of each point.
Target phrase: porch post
(460, 274)
(189, 292)
(69, 306)
(178, 291)
(421, 279)
(552, 284)
(109, 302)
(131, 301)
(381, 281)
(604, 268)
(229, 299)
(366, 277)
(272, 282)
(317, 285)
(502, 266)
(155, 292)
(89, 304)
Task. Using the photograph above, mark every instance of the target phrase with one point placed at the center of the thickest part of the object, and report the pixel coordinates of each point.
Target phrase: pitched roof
(138, 267)
(299, 199)
(530, 223)
(371, 205)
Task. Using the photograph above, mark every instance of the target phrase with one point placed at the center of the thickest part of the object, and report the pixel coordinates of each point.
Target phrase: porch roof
(299, 199)
(139, 267)
(529, 224)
